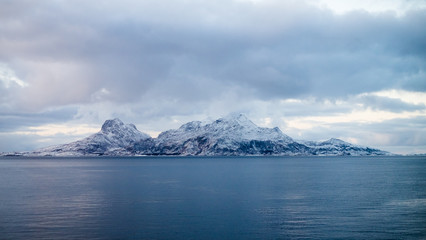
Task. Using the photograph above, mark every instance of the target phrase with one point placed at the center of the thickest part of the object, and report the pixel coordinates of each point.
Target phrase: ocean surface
(213, 198)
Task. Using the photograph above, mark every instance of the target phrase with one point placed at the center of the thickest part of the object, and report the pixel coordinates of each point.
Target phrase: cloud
(12, 121)
(152, 62)
(269, 50)
(399, 7)
(390, 104)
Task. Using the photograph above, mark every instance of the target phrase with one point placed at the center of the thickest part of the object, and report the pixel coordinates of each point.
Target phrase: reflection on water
(213, 198)
(419, 202)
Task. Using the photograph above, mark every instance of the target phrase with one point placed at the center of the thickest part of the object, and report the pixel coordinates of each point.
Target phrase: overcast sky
(353, 70)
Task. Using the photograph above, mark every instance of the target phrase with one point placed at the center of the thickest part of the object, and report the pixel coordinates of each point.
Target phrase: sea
(213, 198)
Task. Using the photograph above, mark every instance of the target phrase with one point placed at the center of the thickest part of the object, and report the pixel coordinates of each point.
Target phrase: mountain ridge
(233, 135)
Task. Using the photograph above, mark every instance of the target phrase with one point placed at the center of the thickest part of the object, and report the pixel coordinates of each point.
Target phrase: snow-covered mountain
(337, 147)
(234, 135)
(114, 135)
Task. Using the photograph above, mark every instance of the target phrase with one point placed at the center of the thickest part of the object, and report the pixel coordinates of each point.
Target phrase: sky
(317, 69)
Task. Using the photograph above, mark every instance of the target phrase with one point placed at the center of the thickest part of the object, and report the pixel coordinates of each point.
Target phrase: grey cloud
(11, 142)
(400, 132)
(13, 121)
(396, 135)
(390, 104)
(309, 53)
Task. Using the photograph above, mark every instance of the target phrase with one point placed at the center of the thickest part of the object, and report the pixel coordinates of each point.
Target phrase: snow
(234, 134)
(234, 128)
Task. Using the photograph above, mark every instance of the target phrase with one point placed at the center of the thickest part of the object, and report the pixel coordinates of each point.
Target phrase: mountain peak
(191, 126)
(336, 141)
(114, 135)
(237, 119)
(111, 124)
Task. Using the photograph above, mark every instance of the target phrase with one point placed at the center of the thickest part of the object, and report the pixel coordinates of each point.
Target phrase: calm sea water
(213, 198)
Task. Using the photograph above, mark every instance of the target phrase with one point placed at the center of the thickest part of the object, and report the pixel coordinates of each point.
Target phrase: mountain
(113, 136)
(234, 135)
(338, 147)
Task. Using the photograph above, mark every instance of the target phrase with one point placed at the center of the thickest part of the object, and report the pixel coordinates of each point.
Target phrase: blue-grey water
(213, 198)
